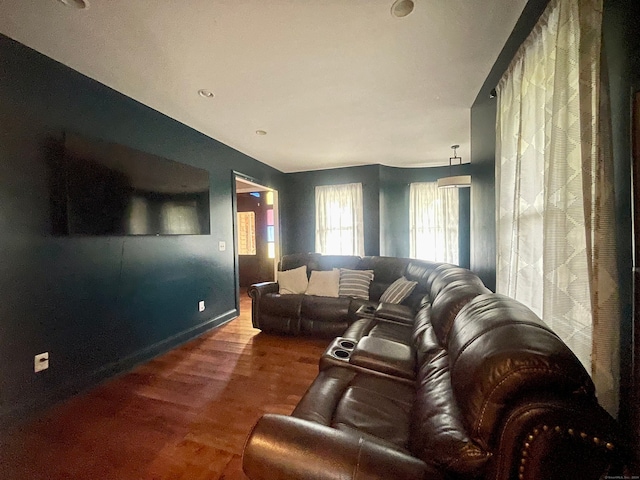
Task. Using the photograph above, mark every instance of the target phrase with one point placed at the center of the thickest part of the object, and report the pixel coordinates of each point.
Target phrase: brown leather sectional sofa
(328, 316)
(457, 383)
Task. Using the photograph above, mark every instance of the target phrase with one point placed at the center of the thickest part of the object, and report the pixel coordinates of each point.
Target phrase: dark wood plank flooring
(182, 416)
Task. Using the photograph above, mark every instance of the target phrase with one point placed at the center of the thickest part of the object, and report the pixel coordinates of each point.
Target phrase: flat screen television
(103, 188)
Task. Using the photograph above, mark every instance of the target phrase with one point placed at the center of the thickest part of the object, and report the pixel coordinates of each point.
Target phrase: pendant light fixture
(455, 181)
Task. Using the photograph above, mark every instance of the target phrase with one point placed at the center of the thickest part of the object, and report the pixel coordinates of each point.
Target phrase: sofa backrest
(420, 271)
(444, 275)
(450, 299)
(329, 262)
(295, 260)
(499, 352)
(386, 270)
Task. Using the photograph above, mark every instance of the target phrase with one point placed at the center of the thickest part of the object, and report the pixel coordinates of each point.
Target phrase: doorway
(257, 243)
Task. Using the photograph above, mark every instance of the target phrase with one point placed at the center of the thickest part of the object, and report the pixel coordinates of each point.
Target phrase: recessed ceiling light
(402, 8)
(79, 4)
(205, 93)
(261, 132)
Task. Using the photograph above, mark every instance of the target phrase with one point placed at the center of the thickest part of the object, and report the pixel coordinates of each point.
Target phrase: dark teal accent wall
(464, 232)
(386, 207)
(483, 190)
(98, 305)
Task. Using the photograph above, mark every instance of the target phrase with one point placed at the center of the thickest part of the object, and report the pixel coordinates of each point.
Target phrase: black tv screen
(109, 189)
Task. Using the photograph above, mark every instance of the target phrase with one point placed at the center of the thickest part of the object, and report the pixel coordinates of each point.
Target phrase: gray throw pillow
(398, 291)
(355, 283)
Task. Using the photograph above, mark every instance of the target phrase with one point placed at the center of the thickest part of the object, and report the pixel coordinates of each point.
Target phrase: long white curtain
(433, 222)
(554, 189)
(339, 219)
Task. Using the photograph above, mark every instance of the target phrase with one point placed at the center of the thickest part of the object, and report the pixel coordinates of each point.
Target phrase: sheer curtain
(339, 219)
(433, 218)
(554, 188)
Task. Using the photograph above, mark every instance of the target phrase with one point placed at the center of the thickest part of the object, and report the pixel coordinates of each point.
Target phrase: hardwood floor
(182, 416)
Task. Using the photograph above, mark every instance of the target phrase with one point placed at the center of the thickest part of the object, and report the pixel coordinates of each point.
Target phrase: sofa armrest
(384, 356)
(550, 437)
(288, 448)
(389, 312)
(256, 291)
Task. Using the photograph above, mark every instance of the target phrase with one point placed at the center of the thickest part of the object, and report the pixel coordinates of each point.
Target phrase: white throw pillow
(324, 283)
(293, 281)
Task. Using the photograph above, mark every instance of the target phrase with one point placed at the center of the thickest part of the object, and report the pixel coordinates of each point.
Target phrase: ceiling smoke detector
(78, 4)
(402, 8)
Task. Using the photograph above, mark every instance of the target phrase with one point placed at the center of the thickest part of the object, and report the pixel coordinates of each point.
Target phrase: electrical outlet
(222, 245)
(201, 306)
(41, 362)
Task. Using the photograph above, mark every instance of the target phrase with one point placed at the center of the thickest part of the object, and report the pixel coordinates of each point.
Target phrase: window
(554, 188)
(339, 219)
(433, 222)
(246, 233)
(271, 228)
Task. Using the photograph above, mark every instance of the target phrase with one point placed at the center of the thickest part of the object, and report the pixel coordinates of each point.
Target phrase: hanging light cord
(455, 157)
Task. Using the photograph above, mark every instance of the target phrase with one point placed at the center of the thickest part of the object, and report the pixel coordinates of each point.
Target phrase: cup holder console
(366, 311)
(347, 344)
(341, 349)
(341, 354)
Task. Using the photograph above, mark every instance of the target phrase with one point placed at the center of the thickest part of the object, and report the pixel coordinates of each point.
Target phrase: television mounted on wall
(102, 188)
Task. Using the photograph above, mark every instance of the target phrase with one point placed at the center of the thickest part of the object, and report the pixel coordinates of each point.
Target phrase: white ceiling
(333, 82)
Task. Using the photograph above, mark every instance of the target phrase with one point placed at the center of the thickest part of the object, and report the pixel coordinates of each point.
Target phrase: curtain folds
(339, 219)
(554, 188)
(434, 224)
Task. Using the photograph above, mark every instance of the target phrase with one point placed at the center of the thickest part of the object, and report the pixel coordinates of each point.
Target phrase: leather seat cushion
(324, 316)
(325, 309)
(280, 313)
(281, 305)
(377, 407)
(319, 403)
